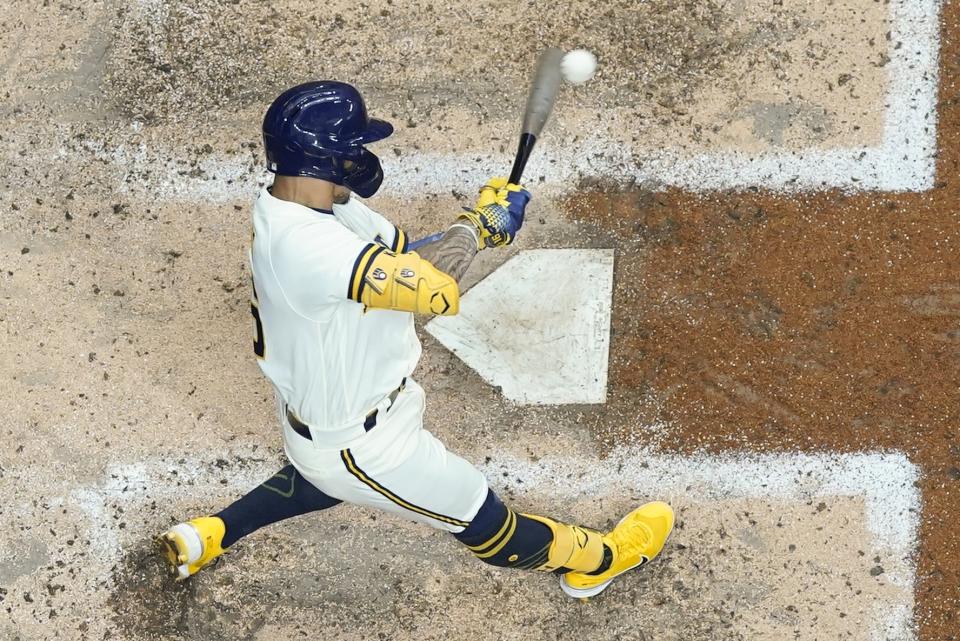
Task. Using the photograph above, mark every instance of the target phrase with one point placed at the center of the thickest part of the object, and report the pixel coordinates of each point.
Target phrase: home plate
(538, 327)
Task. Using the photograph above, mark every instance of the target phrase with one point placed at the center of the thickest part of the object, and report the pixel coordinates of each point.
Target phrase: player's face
(341, 195)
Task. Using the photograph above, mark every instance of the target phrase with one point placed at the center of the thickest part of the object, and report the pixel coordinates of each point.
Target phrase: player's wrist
(472, 220)
(471, 228)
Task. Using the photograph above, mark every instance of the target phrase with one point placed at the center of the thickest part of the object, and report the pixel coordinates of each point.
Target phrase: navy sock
(521, 542)
(284, 495)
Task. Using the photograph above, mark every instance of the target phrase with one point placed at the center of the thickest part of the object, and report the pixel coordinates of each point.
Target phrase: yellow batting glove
(498, 214)
(490, 193)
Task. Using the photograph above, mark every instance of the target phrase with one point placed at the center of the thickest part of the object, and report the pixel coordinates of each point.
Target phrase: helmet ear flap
(364, 174)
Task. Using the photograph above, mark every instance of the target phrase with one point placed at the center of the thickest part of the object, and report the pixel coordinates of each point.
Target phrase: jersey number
(259, 348)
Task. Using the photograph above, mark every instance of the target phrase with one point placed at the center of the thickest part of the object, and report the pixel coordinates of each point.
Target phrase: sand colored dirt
(691, 75)
(736, 568)
(699, 592)
(742, 321)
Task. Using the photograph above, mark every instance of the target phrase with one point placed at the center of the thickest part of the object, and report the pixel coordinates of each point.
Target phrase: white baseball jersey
(330, 359)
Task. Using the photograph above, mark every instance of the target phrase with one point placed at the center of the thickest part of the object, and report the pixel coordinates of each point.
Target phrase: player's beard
(341, 195)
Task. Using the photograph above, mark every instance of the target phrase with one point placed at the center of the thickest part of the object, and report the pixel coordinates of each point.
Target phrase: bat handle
(527, 141)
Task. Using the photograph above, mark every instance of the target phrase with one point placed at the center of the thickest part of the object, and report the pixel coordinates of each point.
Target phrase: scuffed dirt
(775, 319)
(742, 320)
(183, 59)
(388, 580)
(692, 69)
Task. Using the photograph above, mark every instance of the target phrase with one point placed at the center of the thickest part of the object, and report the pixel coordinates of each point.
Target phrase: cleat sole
(175, 560)
(584, 594)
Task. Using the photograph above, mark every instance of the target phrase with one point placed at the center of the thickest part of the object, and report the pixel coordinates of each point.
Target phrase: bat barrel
(543, 91)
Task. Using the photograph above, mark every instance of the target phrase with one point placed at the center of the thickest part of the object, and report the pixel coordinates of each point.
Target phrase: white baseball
(578, 66)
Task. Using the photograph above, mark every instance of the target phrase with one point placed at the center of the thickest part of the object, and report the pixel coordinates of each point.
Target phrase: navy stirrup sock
(284, 495)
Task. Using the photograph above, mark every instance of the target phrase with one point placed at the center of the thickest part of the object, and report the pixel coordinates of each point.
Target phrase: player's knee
(289, 484)
(499, 536)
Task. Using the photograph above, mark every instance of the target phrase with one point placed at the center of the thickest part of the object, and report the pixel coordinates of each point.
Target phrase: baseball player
(335, 289)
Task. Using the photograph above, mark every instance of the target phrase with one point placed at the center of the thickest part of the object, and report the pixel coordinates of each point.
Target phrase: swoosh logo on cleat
(643, 560)
(581, 538)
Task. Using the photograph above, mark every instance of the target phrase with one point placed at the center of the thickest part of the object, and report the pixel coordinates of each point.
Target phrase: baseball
(578, 66)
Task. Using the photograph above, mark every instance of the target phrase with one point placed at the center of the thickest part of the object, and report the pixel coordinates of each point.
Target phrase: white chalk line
(885, 480)
(903, 161)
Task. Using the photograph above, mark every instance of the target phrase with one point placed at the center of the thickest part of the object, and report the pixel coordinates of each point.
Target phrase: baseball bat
(543, 93)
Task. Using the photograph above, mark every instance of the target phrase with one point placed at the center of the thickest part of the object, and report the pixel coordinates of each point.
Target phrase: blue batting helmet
(318, 129)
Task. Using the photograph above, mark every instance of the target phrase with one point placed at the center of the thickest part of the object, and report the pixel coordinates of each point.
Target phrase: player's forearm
(453, 253)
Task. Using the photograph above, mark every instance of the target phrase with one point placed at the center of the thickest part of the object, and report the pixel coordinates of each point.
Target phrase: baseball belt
(369, 422)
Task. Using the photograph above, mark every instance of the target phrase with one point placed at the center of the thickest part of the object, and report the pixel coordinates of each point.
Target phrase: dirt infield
(827, 321)
(759, 335)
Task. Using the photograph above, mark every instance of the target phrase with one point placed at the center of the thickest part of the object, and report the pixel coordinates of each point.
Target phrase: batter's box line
(885, 480)
(905, 160)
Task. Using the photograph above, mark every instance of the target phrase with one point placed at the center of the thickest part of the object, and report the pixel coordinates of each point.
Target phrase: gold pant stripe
(369, 482)
(506, 539)
(496, 537)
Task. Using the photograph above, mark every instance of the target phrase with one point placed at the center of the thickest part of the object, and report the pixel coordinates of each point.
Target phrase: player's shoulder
(366, 222)
(315, 236)
(355, 211)
(293, 222)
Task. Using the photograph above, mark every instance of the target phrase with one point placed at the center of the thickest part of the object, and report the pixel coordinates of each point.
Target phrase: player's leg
(396, 466)
(284, 495)
(191, 545)
(588, 559)
(402, 468)
(441, 489)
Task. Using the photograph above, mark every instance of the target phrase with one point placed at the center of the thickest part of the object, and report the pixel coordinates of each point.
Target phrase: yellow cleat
(192, 545)
(636, 540)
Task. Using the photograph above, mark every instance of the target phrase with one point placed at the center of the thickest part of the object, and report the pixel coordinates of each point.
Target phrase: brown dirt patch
(742, 320)
(826, 321)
